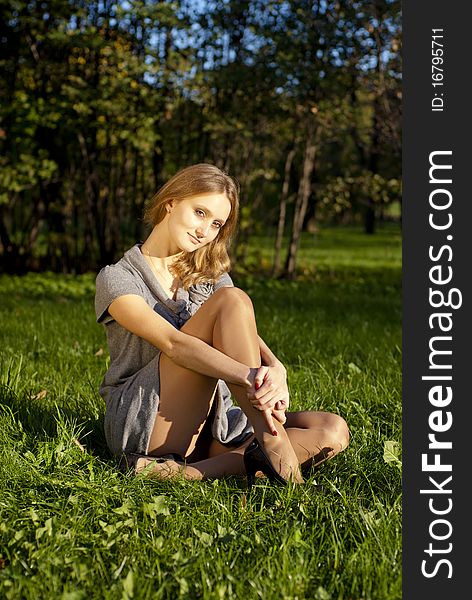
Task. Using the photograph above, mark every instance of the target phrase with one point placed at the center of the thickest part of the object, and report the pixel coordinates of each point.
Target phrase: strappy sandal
(127, 462)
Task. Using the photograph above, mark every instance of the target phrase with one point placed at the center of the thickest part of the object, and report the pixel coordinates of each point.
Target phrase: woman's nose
(203, 229)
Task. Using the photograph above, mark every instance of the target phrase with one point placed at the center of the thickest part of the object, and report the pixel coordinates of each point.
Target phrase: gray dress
(130, 387)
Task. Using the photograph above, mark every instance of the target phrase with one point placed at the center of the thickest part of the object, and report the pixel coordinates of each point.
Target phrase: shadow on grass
(45, 422)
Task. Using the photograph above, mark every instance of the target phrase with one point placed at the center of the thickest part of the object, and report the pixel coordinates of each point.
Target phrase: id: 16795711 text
(437, 69)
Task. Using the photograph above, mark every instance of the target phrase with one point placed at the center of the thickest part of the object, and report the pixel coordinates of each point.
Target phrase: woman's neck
(158, 249)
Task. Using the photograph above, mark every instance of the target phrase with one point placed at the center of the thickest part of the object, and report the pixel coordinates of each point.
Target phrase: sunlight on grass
(72, 526)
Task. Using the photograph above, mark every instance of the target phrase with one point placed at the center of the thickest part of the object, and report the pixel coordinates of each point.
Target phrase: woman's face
(196, 221)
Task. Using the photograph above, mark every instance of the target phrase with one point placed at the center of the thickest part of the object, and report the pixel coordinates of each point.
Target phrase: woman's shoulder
(121, 277)
(122, 270)
(115, 280)
(199, 292)
(223, 280)
(208, 287)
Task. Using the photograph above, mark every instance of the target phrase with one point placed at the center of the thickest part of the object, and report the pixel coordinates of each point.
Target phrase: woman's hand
(271, 388)
(279, 412)
(270, 393)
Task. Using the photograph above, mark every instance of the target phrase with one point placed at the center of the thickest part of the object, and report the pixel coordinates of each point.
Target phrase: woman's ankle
(279, 450)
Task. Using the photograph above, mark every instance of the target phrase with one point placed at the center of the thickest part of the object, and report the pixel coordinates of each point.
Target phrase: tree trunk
(282, 211)
(369, 219)
(303, 195)
(373, 165)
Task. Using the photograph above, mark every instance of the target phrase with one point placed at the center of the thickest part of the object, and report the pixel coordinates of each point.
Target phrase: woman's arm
(134, 314)
(268, 357)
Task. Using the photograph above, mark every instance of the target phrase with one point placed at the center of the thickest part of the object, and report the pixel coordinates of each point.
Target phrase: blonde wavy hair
(208, 263)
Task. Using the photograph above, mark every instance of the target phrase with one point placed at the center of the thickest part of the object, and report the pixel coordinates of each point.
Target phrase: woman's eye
(199, 212)
(217, 225)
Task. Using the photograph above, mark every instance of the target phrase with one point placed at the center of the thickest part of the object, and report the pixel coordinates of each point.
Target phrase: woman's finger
(266, 387)
(281, 405)
(267, 392)
(270, 386)
(266, 406)
(280, 416)
(270, 422)
(274, 395)
(268, 403)
(260, 375)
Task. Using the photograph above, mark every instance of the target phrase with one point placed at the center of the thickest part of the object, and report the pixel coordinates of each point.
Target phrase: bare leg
(225, 321)
(315, 437)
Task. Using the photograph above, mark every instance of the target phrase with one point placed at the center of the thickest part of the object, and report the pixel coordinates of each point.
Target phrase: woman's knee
(339, 430)
(229, 297)
(334, 426)
(336, 429)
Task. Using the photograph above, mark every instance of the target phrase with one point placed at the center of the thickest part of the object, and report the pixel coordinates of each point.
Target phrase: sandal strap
(170, 456)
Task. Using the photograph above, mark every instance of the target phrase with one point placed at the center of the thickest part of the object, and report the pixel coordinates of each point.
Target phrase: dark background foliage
(103, 101)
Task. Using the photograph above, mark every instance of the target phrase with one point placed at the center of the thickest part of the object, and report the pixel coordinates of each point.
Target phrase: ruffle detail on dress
(230, 424)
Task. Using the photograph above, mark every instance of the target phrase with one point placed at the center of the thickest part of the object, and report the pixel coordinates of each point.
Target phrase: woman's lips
(195, 240)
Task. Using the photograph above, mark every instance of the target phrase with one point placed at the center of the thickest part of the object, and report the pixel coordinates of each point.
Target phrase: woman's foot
(165, 469)
(281, 455)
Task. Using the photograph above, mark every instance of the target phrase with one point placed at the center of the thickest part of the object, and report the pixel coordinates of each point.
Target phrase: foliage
(103, 101)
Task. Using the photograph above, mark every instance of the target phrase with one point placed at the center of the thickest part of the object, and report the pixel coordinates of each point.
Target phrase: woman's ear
(170, 206)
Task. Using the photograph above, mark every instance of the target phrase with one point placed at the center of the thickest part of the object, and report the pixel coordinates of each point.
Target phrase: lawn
(72, 526)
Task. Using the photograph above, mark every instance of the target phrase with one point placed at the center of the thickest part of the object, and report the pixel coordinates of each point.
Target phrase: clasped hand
(269, 393)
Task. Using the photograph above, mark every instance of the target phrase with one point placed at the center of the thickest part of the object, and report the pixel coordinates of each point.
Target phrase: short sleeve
(223, 281)
(112, 282)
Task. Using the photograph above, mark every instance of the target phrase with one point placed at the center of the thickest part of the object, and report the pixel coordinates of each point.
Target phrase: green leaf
(205, 538)
(322, 594)
(183, 587)
(128, 586)
(157, 507)
(124, 509)
(392, 452)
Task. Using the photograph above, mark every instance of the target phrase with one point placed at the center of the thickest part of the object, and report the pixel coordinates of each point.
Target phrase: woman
(183, 339)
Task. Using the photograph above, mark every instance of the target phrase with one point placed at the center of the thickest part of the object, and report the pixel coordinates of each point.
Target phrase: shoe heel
(255, 460)
(250, 471)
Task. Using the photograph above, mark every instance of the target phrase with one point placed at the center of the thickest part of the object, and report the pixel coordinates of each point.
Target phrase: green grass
(72, 527)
